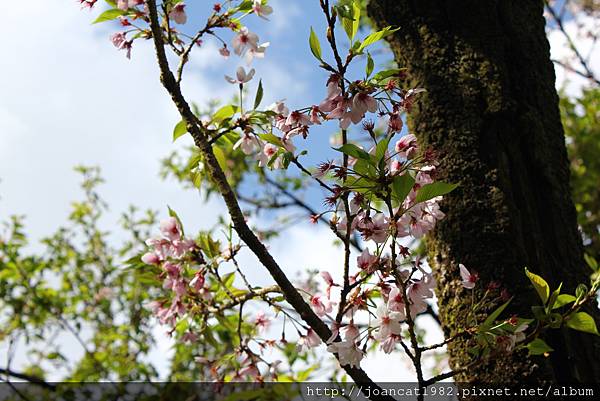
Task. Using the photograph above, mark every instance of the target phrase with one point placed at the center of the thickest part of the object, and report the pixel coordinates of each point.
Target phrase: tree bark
(491, 111)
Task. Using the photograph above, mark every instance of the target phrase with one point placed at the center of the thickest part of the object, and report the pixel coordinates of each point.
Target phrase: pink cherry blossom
(224, 51)
(151, 258)
(262, 321)
(348, 353)
(366, 261)
(279, 107)
(244, 41)
(407, 146)
(350, 332)
(178, 14)
(269, 150)
(314, 115)
(198, 281)
(127, 4)
(468, 279)
(310, 340)
(321, 305)
(170, 229)
(258, 52)
(249, 144)
(396, 303)
(297, 118)
(363, 102)
(262, 10)
(388, 322)
(241, 76)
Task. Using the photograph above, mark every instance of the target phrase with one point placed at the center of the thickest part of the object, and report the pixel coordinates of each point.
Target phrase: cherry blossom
(262, 321)
(348, 353)
(366, 261)
(178, 14)
(261, 10)
(388, 322)
(321, 304)
(407, 146)
(244, 41)
(310, 340)
(255, 52)
(170, 229)
(249, 144)
(468, 279)
(224, 51)
(350, 332)
(241, 76)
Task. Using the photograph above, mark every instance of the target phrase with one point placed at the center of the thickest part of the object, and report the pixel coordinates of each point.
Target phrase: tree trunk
(491, 111)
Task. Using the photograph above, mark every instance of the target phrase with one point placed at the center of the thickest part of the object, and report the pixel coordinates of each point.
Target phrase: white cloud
(559, 50)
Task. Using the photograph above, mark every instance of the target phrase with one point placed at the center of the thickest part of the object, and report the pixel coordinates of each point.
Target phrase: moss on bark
(491, 111)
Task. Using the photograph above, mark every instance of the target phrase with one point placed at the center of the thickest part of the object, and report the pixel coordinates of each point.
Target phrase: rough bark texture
(491, 111)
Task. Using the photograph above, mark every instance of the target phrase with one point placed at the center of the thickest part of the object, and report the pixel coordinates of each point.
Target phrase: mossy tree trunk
(491, 111)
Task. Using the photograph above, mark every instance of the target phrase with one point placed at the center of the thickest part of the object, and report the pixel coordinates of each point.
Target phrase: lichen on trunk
(491, 111)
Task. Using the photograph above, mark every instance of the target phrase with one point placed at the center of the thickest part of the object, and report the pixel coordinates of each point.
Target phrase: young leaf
(493, 316)
(224, 112)
(353, 151)
(381, 75)
(179, 130)
(591, 262)
(538, 347)
(375, 37)
(370, 65)
(540, 285)
(315, 46)
(562, 300)
(109, 15)
(271, 139)
(401, 186)
(259, 94)
(553, 298)
(432, 190)
(351, 24)
(583, 322)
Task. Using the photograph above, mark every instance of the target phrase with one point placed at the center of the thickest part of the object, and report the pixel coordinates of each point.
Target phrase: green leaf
(179, 130)
(224, 112)
(381, 75)
(591, 262)
(109, 15)
(553, 297)
(375, 37)
(493, 316)
(581, 291)
(402, 185)
(538, 347)
(271, 139)
(430, 191)
(259, 94)
(540, 285)
(582, 321)
(562, 300)
(315, 46)
(351, 24)
(370, 65)
(380, 150)
(353, 151)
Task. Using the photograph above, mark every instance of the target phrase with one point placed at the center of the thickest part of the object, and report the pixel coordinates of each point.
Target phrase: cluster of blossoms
(379, 195)
(172, 251)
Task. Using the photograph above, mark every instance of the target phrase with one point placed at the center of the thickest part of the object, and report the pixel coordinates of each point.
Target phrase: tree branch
(218, 176)
(29, 378)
